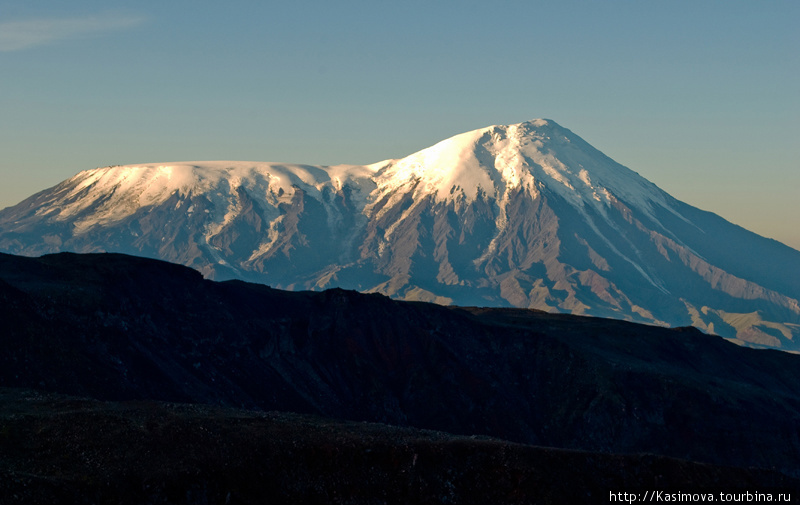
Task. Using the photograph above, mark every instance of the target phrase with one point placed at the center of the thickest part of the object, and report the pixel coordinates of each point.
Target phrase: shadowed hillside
(114, 327)
(65, 450)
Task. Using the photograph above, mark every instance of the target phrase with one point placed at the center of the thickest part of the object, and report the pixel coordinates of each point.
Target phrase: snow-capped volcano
(498, 160)
(526, 215)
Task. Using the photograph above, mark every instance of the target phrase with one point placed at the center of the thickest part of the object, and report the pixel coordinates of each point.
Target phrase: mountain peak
(527, 215)
(530, 156)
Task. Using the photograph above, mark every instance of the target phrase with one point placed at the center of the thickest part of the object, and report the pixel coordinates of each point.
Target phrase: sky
(700, 97)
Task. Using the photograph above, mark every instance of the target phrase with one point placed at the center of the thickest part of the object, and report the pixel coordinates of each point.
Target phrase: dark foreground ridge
(115, 328)
(59, 449)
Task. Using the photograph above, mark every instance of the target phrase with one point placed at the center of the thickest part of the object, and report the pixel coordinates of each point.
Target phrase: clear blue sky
(701, 97)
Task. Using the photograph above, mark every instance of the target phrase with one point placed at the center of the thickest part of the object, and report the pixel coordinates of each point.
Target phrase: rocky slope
(526, 215)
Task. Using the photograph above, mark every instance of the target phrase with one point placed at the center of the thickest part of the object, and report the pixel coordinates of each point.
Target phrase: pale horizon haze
(699, 97)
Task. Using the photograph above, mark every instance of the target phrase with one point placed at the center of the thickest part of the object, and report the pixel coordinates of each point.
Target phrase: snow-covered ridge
(489, 162)
(116, 192)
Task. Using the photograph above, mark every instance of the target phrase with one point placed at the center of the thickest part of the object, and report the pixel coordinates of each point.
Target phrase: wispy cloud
(19, 35)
